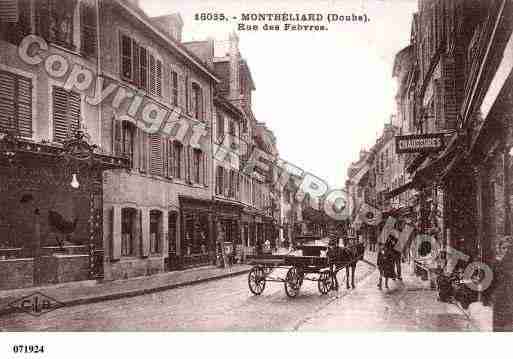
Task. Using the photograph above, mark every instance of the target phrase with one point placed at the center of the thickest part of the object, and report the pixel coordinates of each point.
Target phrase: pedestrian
(372, 241)
(397, 256)
(385, 263)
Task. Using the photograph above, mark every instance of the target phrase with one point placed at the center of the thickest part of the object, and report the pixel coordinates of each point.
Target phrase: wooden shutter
(7, 101)
(199, 99)
(126, 58)
(66, 113)
(158, 78)
(143, 71)
(136, 75)
(16, 103)
(183, 162)
(152, 73)
(9, 11)
(116, 131)
(24, 115)
(187, 95)
(88, 28)
(156, 161)
(204, 160)
(174, 88)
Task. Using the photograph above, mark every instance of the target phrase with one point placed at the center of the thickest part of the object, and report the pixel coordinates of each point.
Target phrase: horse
(347, 257)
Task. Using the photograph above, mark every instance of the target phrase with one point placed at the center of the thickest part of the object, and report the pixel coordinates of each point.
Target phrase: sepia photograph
(255, 166)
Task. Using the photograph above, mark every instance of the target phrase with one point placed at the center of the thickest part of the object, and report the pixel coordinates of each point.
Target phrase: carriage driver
(332, 257)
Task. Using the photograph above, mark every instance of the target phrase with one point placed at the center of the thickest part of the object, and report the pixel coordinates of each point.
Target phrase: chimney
(171, 24)
(234, 66)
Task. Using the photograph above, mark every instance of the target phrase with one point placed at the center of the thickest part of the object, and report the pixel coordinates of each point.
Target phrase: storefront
(51, 222)
(196, 244)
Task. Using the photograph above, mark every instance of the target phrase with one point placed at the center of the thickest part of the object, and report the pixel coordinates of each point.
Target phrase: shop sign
(430, 142)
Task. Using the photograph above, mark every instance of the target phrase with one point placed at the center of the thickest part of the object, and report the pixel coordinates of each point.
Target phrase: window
(66, 113)
(127, 140)
(197, 101)
(197, 157)
(88, 29)
(174, 88)
(128, 218)
(14, 20)
(155, 232)
(55, 21)
(220, 126)
(16, 103)
(139, 67)
(232, 128)
(177, 159)
(232, 184)
(219, 180)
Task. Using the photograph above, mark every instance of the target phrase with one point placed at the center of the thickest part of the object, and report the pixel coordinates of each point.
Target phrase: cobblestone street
(227, 304)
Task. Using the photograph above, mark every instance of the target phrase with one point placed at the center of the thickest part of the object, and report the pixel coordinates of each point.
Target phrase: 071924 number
(28, 349)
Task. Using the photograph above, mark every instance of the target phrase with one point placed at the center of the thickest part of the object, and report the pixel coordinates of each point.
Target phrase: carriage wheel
(256, 280)
(293, 282)
(325, 282)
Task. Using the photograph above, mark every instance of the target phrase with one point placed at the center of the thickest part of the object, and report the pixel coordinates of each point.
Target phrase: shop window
(128, 218)
(155, 231)
(16, 103)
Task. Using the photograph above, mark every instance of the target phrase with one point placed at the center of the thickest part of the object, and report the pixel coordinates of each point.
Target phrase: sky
(327, 94)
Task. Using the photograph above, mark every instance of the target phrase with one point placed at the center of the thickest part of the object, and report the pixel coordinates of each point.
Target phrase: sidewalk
(77, 293)
(407, 306)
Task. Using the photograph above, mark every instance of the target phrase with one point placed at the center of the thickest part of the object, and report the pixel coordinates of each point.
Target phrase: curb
(134, 293)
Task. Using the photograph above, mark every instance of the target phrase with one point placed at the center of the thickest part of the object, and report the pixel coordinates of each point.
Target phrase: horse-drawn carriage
(315, 259)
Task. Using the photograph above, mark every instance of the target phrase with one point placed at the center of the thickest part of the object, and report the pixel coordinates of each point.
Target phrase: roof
(137, 12)
(227, 105)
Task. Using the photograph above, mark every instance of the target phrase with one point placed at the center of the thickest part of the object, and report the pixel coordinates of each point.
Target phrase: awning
(397, 191)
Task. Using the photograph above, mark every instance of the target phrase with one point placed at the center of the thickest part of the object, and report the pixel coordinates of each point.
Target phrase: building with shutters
(51, 188)
(157, 214)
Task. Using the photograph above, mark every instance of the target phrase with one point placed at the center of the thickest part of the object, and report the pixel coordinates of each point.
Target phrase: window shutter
(117, 136)
(136, 78)
(174, 88)
(156, 161)
(88, 28)
(137, 149)
(16, 103)
(201, 114)
(183, 162)
(143, 71)
(24, 106)
(126, 58)
(9, 11)
(7, 101)
(152, 74)
(204, 160)
(66, 113)
(158, 78)
(187, 95)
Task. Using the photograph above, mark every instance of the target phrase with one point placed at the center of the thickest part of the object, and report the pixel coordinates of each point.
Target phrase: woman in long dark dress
(385, 263)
